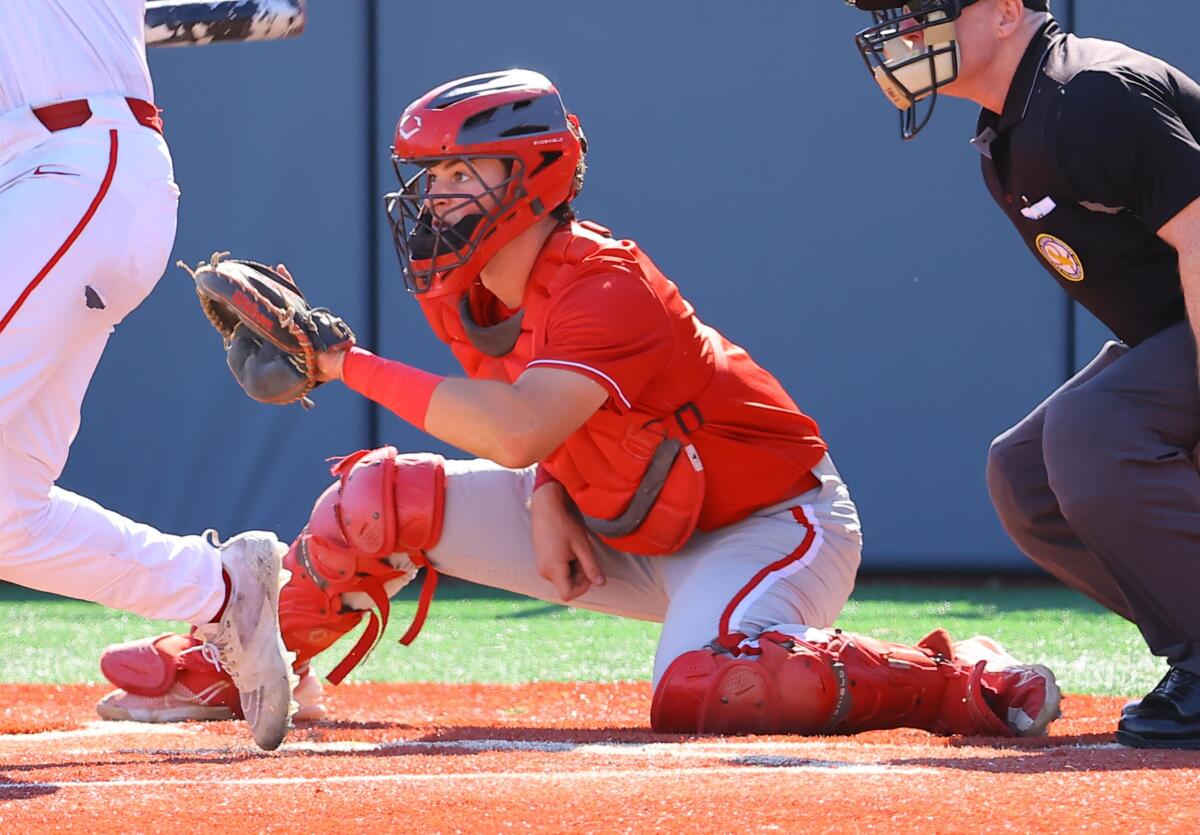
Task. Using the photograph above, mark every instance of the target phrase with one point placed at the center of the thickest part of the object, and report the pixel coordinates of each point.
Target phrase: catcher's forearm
(486, 418)
(490, 419)
(399, 388)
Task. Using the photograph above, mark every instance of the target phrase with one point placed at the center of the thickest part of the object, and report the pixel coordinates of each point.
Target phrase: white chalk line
(706, 749)
(99, 730)
(607, 774)
(737, 757)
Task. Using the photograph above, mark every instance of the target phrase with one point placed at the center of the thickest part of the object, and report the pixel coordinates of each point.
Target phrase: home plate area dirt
(572, 757)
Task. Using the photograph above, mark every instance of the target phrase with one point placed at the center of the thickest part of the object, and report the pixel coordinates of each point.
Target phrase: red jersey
(629, 329)
(601, 308)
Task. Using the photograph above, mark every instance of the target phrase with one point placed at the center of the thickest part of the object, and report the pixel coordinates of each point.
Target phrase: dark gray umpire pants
(1098, 485)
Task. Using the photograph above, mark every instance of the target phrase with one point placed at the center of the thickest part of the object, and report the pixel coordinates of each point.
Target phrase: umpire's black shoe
(1168, 717)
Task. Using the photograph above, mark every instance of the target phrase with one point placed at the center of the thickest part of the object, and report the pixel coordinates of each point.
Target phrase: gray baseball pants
(793, 563)
(1099, 486)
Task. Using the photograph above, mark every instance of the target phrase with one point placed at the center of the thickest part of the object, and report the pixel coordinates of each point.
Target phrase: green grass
(480, 635)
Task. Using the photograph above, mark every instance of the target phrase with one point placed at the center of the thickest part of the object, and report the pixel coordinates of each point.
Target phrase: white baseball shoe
(247, 635)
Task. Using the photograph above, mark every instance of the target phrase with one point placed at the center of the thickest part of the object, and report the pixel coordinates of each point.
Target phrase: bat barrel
(193, 23)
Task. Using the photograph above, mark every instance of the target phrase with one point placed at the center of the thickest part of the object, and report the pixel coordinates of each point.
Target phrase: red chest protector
(635, 476)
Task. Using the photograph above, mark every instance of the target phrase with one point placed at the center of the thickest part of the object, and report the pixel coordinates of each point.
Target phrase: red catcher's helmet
(516, 116)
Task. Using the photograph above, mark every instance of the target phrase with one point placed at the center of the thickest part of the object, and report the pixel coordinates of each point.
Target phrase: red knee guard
(704, 691)
(368, 531)
(829, 682)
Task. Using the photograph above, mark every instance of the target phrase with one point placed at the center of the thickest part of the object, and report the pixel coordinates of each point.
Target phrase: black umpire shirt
(1095, 151)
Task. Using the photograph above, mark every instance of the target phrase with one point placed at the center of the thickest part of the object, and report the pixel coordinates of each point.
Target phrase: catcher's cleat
(247, 638)
(1025, 696)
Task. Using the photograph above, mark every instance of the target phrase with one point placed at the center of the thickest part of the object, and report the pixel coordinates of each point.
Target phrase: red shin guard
(828, 682)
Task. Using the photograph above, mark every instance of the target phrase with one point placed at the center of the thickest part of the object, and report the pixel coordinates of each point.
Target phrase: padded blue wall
(742, 145)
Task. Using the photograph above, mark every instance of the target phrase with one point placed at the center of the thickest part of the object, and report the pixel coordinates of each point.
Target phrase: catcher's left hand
(271, 335)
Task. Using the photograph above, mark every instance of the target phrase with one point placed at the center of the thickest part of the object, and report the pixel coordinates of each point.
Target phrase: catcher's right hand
(271, 335)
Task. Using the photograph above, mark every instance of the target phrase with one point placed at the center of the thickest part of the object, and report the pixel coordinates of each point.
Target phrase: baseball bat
(200, 22)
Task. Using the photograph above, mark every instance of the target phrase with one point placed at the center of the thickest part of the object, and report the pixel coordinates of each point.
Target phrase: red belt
(72, 114)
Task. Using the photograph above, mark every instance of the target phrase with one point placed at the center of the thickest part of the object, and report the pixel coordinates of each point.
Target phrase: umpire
(1090, 149)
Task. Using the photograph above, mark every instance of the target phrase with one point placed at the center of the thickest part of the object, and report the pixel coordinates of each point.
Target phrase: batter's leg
(1119, 455)
(487, 539)
(79, 256)
(1029, 510)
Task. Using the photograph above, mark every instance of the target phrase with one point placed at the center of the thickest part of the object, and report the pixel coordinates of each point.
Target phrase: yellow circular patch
(1060, 256)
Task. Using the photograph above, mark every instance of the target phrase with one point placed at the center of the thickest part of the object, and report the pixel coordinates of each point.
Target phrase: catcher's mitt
(271, 334)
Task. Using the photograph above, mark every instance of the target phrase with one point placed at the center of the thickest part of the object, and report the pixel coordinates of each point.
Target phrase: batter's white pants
(87, 221)
(792, 564)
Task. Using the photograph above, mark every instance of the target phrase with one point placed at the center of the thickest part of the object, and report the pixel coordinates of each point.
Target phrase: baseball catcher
(272, 336)
(629, 459)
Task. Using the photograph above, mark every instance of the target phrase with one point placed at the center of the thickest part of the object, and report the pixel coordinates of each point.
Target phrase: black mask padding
(424, 237)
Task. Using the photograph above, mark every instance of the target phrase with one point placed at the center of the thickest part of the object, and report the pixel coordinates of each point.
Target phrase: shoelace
(209, 652)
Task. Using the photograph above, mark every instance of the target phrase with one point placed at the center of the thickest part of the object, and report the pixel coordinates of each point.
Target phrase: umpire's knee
(1007, 476)
(1082, 443)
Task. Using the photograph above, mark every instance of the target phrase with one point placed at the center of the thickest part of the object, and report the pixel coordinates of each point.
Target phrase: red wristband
(400, 388)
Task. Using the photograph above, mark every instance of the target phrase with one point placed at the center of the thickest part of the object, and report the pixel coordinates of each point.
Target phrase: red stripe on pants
(724, 637)
(75, 233)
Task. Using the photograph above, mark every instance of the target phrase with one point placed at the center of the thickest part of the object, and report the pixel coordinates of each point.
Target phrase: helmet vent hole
(479, 118)
(524, 130)
(522, 104)
(548, 159)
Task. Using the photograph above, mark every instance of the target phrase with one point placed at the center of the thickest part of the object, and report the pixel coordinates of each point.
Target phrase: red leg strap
(376, 626)
(428, 587)
(365, 644)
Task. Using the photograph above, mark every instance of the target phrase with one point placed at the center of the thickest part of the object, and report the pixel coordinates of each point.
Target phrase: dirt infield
(563, 757)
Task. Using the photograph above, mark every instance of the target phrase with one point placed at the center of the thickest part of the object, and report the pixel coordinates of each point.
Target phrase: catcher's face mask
(445, 209)
(480, 160)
